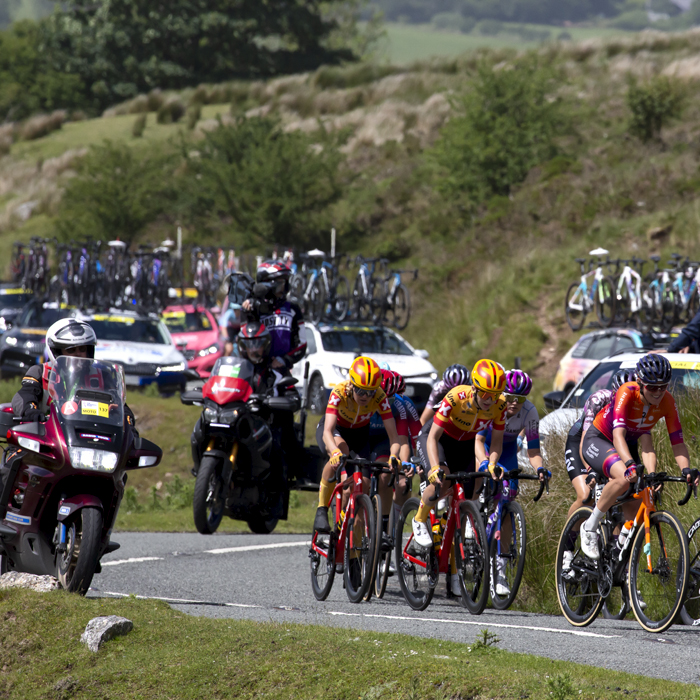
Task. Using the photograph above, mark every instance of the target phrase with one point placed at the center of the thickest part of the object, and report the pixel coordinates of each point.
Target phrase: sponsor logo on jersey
(592, 451)
(462, 395)
(385, 408)
(334, 400)
(568, 458)
(445, 408)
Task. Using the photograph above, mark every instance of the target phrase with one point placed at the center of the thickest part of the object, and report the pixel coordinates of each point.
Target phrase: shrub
(653, 106)
(42, 125)
(467, 25)
(490, 27)
(139, 125)
(155, 100)
(634, 20)
(447, 20)
(194, 114)
(171, 111)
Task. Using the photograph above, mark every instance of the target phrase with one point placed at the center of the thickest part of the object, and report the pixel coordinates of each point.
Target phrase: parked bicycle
(394, 299)
(582, 297)
(368, 290)
(634, 303)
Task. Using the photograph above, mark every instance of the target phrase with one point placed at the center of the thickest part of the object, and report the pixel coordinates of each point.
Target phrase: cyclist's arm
(648, 453)
(480, 451)
(390, 427)
(680, 452)
(432, 444)
(428, 413)
(496, 446)
(328, 430)
(620, 444)
(535, 457)
(404, 448)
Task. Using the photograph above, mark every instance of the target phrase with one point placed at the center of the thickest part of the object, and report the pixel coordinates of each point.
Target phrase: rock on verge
(102, 629)
(16, 579)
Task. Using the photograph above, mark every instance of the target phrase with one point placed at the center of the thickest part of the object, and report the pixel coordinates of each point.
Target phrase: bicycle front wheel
(322, 559)
(340, 306)
(605, 302)
(658, 572)
(377, 507)
(317, 302)
(690, 612)
(577, 587)
(472, 558)
(378, 301)
(414, 564)
(360, 546)
(402, 307)
(384, 557)
(513, 556)
(575, 306)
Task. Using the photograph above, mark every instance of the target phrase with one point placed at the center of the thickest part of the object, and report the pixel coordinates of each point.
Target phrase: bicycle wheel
(322, 559)
(579, 598)
(377, 301)
(377, 507)
(384, 559)
(401, 308)
(296, 291)
(360, 546)
(617, 604)
(472, 559)
(340, 305)
(414, 564)
(690, 612)
(605, 302)
(317, 302)
(623, 306)
(645, 314)
(668, 309)
(360, 304)
(514, 556)
(575, 306)
(663, 589)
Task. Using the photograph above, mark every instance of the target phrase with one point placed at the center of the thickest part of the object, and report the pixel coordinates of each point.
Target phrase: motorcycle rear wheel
(208, 502)
(76, 566)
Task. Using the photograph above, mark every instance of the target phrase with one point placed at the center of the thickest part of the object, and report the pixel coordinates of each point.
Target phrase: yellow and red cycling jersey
(460, 417)
(350, 414)
(628, 410)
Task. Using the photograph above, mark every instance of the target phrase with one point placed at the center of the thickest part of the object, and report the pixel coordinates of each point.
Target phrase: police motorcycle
(66, 477)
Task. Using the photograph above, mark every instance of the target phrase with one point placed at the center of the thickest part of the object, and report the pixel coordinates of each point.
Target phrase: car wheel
(317, 392)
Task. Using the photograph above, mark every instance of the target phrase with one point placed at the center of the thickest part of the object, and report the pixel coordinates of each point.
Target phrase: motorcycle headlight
(95, 460)
(211, 415)
(208, 351)
(228, 417)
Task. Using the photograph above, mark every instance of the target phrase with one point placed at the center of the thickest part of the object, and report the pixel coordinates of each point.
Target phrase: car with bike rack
(13, 299)
(24, 345)
(332, 347)
(196, 334)
(142, 344)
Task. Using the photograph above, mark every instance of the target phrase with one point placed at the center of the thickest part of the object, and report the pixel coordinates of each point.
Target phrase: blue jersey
(526, 419)
(405, 416)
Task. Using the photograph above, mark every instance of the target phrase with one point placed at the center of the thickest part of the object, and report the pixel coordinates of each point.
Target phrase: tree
(122, 47)
(654, 105)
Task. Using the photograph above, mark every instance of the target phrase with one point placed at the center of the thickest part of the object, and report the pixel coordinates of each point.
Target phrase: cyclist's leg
(328, 476)
(577, 470)
(421, 531)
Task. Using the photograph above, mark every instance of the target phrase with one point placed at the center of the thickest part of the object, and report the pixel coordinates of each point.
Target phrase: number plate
(132, 380)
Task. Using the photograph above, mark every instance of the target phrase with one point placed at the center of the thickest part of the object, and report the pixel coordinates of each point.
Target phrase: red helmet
(388, 382)
(400, 383)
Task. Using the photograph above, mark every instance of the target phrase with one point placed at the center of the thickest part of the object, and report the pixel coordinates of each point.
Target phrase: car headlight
(11, 340)
(211, 415)
(433, 375)
(342, 371)
(96, 460)
(208, 351)
(180, 367)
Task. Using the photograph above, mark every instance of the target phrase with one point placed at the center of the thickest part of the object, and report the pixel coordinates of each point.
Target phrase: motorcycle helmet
(518, 382)
(254, 341)
(622, 377)
(488, 376)
(275, 273)
(69, 333)
(653, 369)
(455, 375)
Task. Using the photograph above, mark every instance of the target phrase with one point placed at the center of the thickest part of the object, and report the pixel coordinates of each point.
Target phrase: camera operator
(281, 317)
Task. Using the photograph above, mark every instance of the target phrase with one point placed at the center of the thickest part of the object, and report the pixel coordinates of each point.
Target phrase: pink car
(196, 333)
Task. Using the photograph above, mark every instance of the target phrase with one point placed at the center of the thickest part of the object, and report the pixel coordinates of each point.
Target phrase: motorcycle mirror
(287, 381)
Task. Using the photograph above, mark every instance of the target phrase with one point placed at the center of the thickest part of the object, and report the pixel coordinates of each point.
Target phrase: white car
(142, 344)
(569, 406)
(333, 347)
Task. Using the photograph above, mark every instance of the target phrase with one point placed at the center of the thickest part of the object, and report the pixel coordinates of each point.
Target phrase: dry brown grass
(41, 125)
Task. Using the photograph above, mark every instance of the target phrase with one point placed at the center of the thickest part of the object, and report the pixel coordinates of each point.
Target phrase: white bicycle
(582, 298)
(633, 298)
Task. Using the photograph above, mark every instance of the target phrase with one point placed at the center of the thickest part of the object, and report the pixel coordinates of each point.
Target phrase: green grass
(171, 655)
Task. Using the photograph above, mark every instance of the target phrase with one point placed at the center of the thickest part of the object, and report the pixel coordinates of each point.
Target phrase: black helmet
(621, 377)
(254, 341)
(653, 369)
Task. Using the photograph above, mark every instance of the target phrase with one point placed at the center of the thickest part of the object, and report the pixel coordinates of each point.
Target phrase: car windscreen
(35, 316)
(685, 375)
(186, 321)
(363, 341)
(9, 300)
(128, 329)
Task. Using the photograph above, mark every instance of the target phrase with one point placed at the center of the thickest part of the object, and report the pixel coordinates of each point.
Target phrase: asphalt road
(266, 578)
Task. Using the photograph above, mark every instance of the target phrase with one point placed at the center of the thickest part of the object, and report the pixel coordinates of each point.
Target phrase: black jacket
(689, 337)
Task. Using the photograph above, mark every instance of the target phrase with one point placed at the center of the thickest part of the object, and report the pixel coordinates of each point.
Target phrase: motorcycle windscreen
(230, 380)
(88, 391)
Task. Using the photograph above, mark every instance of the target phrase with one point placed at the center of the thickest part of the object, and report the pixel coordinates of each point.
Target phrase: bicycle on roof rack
(582, 297)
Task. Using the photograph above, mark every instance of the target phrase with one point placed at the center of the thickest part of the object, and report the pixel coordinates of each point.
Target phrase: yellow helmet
(488, 376)
(365, 374)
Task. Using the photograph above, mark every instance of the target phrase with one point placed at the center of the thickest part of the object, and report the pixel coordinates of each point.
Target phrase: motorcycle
(242, 472)
(66, 477)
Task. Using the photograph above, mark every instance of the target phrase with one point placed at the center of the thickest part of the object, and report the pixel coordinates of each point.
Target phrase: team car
(12, 300)
(331, 348)
(24, 344)
(142, 345)
(196, 333)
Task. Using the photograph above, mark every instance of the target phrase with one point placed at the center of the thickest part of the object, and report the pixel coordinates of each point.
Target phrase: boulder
(102, 629)
(17, 579)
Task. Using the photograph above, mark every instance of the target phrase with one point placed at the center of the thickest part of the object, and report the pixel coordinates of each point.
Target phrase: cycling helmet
(653, 369)
(518, 382)
(400, 383)
(389, 383)
(254, 341)
(384, 365)
(622, 377)
(70, 333)
(455, 375)
(488, 376)
(365, 374)
(274, 272)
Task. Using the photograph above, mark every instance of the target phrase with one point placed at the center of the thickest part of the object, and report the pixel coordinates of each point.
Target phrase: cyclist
(451, 437)
(454, 375)
(522, 419)
(345, 427)
(634, 411)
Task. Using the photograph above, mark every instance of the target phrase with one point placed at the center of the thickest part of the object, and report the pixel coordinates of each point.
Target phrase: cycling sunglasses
(364, 392)
(515, 397)
(656, 388)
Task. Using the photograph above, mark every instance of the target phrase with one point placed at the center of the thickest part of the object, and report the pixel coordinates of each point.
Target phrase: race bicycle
(582, 298)
(633, 299)
(394, 300)
(651, 569)
(367, 291)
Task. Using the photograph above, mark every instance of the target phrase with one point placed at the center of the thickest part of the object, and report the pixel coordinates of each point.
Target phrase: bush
(171, 111)
(139, 125)
(42, 125)
(448, 20)
(653, 106)
(564, 36)
(194, 114)
(155, 100)
(490, 27)
(634, 21)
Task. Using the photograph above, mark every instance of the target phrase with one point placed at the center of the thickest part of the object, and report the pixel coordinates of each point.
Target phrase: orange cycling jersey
(628, 410)
(342, 404)
(460, 417)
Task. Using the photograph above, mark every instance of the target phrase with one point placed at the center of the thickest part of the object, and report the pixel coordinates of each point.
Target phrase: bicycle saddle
(599, 252)
(580, 260)
(655, 258)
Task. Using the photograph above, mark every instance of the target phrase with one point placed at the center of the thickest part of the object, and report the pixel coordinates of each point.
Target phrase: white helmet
(70, 333)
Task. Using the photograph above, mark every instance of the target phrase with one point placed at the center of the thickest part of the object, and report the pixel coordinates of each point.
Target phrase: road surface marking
(256, 547)
(181, 600)
(132, 560)
(483, 623)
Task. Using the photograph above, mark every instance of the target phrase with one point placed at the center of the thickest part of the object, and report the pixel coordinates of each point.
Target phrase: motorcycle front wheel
(262, 525)
(76, 566)
(208, 502)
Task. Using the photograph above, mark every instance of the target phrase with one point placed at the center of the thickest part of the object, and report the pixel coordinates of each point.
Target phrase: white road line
(181, 600)
(132, 560)
(256, 547)
(483, 623)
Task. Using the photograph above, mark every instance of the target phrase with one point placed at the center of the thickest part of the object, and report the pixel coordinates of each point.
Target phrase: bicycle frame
(588, 294)
(633, 280)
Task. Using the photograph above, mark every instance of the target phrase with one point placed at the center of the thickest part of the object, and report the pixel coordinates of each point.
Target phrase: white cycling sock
(594, 520)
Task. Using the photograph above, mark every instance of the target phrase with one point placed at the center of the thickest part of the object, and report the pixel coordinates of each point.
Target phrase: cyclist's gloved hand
(34, 415)
(544, 473)
(496, 471)
(435, 475)
(484, 466)
(691, 475)
(590, 478)
(335, 458)
(632, 472)
(409, 468)
(395, 463)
